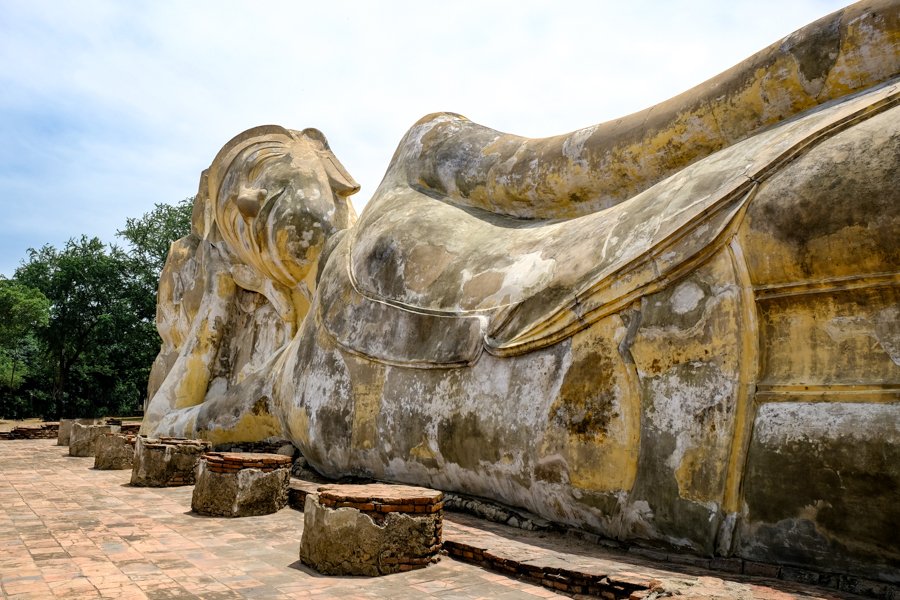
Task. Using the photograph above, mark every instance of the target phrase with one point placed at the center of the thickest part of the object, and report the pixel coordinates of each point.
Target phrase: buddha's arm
(187, 381)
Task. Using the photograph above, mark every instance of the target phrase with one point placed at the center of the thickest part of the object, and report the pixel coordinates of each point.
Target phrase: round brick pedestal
(83, 439)
(114, 451)
(373, 529)
(165, 462)
(65, 429)
(241, 484)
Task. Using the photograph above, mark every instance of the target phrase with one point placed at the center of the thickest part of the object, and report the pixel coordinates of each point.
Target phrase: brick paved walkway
(69, 531)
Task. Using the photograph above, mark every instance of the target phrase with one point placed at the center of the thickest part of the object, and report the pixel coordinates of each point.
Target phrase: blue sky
(108, 107)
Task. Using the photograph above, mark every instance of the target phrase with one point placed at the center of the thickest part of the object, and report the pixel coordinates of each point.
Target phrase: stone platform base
(115, 451)
(231, 484)
(83, 439)
(64, 432)
(373, 529)
(166, 462)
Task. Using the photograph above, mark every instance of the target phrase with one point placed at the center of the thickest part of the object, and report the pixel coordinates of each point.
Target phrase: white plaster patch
(633, 519)
(529, 272)
(178, 423)
(841, 329)
(887, 332)
(678, 402)
(414, 141)
(686, 297)
(884, 328)
(573, 146)
(784, 423)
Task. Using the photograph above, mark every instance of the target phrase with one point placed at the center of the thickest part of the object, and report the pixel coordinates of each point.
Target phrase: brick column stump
(165, 461)
(115, 451)
(241, 484)
(65, 429)
(83, 438)
(131, 428)
(373, 529)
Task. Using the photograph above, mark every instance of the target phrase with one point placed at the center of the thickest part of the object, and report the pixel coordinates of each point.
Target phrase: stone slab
(83, 438)
(114, 451)
(65, 429)
(247, 492)
(347, 541)
(166, 462)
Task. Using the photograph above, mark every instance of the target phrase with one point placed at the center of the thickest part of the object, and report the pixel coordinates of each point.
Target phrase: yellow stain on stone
(745, 407)
(367, 385)
(844, 253)
(298, 426)
(594, 423)
(825, 339)
(424, 453)
(249, 428)
(708, 342)
(192, 386)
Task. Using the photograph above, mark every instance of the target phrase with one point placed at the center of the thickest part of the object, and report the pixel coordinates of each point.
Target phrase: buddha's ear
(341, 182)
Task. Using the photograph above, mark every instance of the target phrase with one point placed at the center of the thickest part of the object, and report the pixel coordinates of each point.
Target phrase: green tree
(149, 236)
(97, 335)
(90, 353)
(24, 312)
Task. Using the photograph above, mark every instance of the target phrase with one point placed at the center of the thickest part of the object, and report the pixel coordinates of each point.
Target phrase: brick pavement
(69, 531)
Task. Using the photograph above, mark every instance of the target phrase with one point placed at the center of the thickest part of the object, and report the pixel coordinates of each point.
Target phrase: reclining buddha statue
(680, 328)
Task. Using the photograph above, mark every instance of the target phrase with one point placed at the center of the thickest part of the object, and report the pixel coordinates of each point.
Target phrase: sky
(108, 107)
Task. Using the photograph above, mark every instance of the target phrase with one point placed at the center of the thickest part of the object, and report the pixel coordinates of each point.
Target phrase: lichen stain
(462, 440)
(831, 466)
(252, 426)
(791, 239)
(868, 53)
(367, 388)
(586, 402)
(688, 366)
(593, 422)
(816, 54)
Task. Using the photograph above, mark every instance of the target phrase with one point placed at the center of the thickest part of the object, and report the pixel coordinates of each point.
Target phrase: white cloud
(109, 106)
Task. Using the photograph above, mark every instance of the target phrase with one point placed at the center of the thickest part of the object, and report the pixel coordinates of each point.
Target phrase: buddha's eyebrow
(265, 155)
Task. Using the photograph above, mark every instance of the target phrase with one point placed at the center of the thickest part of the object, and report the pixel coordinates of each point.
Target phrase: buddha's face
(276, 207)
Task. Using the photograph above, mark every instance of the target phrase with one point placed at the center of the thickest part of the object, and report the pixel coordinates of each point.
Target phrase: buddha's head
(275, 196)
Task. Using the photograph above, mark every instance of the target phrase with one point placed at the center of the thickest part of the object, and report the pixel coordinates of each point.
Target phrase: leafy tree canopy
(77, 330)
(23, 312)
(22, 309)
(150, 235)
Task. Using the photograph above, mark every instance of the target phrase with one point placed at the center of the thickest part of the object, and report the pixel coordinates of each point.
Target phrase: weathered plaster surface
(646, 328)
(822, 481)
